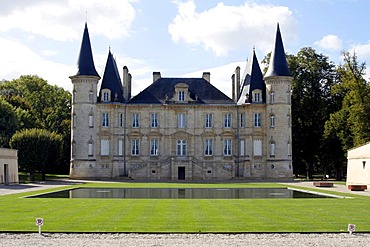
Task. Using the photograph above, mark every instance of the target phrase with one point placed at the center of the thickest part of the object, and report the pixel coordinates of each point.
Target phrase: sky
(179, 38)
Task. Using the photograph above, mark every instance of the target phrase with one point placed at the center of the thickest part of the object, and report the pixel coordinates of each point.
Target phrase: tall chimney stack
(156, 76)
(207, 76)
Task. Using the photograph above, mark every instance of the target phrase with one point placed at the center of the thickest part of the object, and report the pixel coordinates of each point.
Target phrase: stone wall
(358, 165)
(8, 166)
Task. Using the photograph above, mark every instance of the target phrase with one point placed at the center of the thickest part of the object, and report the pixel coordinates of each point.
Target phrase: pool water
(180, 193)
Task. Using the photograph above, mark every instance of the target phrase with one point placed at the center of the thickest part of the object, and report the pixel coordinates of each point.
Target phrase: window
(242, 120)
(227, 147)
(288, 120)
(272, 121)
(208, 148)
(135, 147)
(242, 148)
(91, 120)
(272, 149)
(90, 148)
(208, 120)
(257, 97)
(181, 120)
(135, 120)
(104, 147)
(154, 120)
(91, 98)
(120, 119)
(105, 119)
(257, 119)
(272, 98)
(73, 148)
(257, 147)
(74, 95)
(105, 96)
(288, 97)
(227, 122)
(289, 149)
(154, 147)
(181, 147)
(120, 147)
(74, 120)
(181, 95)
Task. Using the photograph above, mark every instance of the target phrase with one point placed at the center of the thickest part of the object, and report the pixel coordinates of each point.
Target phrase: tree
(312, 102)
(350, 124)
(36, 147)
(8, 122)
(49, 104)
(40, 105)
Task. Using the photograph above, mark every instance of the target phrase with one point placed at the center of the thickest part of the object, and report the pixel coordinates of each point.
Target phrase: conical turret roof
(85, 60)
(278, 65)
(112, 80)
(253, 79)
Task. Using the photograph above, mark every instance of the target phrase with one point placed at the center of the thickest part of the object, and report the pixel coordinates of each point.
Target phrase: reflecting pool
(181, 193)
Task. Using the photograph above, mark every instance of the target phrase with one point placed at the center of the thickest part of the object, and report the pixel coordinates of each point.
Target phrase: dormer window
(106, 95)
(181, 95)
(257, 96)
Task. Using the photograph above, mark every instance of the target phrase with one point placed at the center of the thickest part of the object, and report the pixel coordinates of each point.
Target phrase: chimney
(126, 84)
(129, 87)
(207, 76)
(233, 86)
(237, 83)
(156, 76)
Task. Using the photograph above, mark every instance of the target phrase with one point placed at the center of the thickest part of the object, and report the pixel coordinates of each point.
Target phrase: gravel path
(181, 240)
(185, 240)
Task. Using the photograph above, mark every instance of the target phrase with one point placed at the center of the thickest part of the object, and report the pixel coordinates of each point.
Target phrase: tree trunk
(32, 176)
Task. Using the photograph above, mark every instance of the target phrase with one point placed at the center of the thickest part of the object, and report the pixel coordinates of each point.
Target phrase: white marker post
(39, 223)
(351, 228)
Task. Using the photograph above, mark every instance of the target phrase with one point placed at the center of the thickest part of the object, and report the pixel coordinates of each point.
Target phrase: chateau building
(182, 128)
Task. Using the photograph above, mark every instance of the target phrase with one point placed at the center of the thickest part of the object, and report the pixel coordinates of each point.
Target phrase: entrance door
(181, 173)
(6, 174)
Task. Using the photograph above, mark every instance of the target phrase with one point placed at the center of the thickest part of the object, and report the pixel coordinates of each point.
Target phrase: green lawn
(184, 215)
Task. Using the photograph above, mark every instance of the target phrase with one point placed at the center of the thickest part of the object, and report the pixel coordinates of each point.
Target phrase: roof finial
(86, 16)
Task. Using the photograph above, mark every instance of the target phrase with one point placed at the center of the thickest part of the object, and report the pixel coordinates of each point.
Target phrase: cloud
(21, 60)
(330, 42)
(224, 28)
(57, 19)
(362, 50)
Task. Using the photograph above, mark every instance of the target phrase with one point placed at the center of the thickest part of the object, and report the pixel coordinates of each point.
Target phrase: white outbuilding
(8, 166)
(358, 165)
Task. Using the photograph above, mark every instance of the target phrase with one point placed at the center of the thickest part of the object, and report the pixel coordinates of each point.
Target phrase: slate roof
(85, 60)
(112, 80)
(278, 65)
(163, 89)
(252, 79)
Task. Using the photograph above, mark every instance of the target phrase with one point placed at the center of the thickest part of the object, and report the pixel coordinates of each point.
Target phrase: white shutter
(257, 147)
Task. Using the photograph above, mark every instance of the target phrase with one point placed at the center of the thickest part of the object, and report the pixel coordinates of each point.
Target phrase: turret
(83, 133)
(278, 81)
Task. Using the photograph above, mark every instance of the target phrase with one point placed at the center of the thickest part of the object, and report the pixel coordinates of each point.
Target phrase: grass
(183, 215)
(25, 178)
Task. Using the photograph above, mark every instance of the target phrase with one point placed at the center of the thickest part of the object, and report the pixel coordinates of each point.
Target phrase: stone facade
(358, 165)
(182, 133)
(8, 166)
